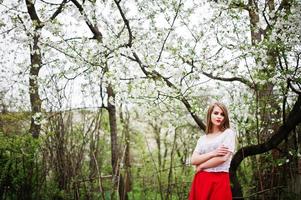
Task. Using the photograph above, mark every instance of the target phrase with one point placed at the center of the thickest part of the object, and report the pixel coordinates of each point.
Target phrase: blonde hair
(225, 124)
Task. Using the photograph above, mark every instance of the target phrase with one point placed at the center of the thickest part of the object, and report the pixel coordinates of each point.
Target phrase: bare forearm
(197, 159)
(214, 162)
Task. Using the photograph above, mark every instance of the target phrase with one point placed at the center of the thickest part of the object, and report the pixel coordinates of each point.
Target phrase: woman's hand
(220, 151)
(198, 168)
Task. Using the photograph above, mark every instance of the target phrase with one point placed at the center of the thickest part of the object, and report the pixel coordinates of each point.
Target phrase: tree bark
(35, 66)
(35, 100)
(254, 22)
(113, 127)
(125, 120)
(117, 177)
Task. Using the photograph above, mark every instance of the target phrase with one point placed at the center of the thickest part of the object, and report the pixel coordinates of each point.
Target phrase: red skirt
(210, 186)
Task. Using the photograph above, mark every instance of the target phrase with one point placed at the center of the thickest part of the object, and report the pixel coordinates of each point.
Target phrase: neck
(215, 129)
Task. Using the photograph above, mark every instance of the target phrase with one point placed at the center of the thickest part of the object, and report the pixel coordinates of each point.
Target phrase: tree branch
(239, 79)
(171, 28)
(59, 10)
(94, 29)
(126, 22)
(156, 75)
(240, 5)
(289, 81)
(33, 13)
(293, 119)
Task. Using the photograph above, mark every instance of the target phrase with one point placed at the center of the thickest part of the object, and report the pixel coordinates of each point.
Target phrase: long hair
(225, 124)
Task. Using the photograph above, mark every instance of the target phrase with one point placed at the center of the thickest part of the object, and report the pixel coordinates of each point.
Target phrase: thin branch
(265, 18)
(261, 192)
(196, 38)
(169, 32)
(285, 4)
(132, 79)
(156, 75)
(94, 29)
(99, 176)
(93, 178)
(239, 79)
(71, 56)
(126, 22)
(8, 30)
(252, 82)
(59, 10)
(186, 75)
(50, 3)
(297, 63)
(240, 4)
(246, 82)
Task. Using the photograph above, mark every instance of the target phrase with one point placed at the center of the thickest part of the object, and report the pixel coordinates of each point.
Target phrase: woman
(212, 157)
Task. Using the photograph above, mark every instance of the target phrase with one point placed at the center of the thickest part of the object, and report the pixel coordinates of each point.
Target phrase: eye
(222, 114)
(216, 113)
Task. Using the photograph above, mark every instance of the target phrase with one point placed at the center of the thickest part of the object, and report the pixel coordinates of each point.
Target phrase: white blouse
(206, 145)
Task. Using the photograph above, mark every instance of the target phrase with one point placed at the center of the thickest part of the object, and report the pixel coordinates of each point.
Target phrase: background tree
(140, 74)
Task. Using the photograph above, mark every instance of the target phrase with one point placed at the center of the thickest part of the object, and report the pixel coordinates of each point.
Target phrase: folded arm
(213, 162)
(197, 158)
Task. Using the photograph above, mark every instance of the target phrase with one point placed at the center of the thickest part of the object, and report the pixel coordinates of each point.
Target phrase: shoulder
(201, 138)
(230, 131)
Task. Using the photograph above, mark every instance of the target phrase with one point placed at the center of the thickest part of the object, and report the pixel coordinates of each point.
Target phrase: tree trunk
(35, 100)
(35, 66)
(117, 177)
(127, 163)
(113, 127)
(62, 166)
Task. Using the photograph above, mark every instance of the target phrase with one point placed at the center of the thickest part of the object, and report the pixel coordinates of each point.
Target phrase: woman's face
(217, 116)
